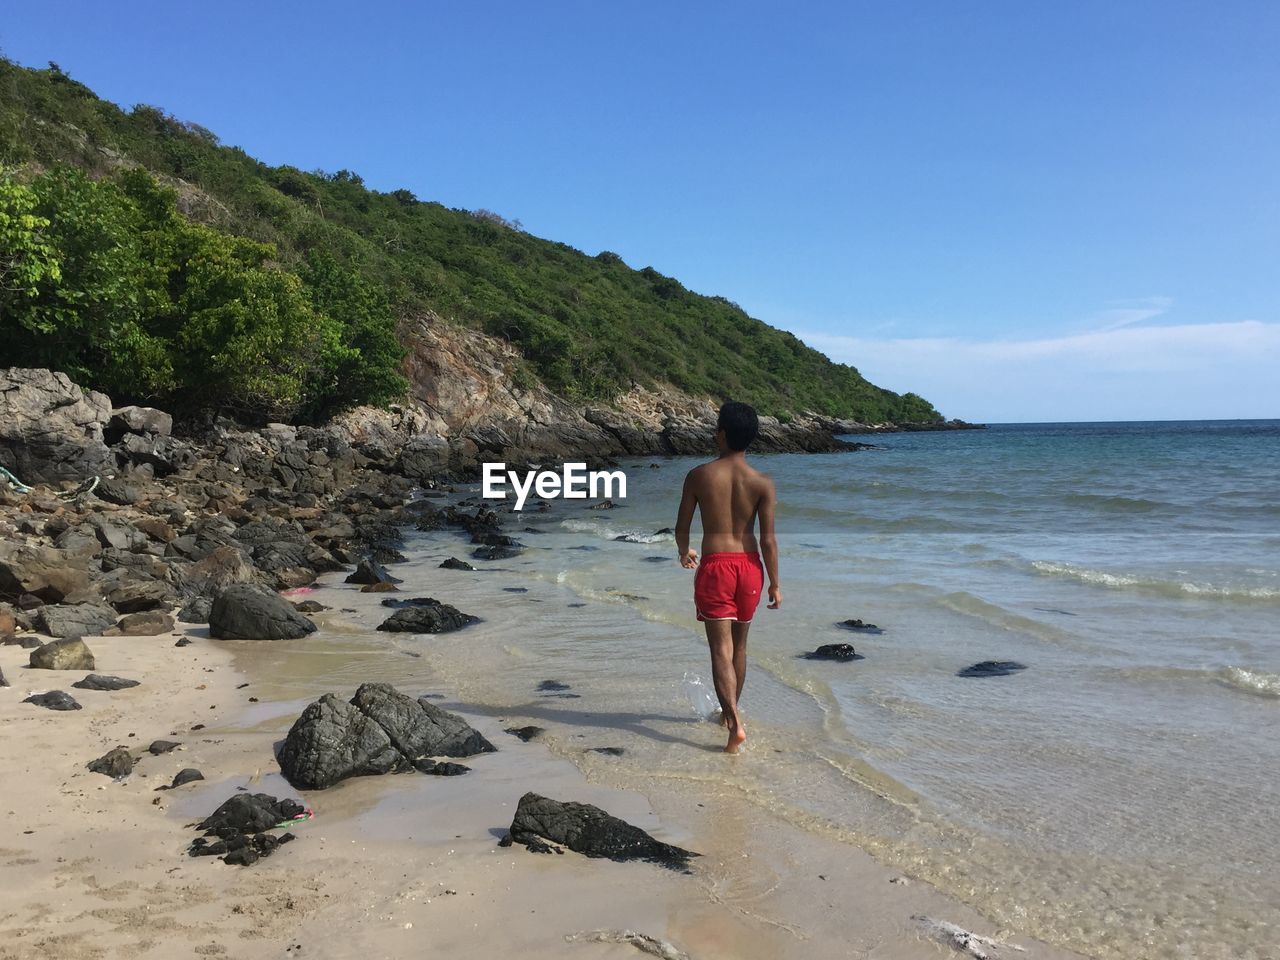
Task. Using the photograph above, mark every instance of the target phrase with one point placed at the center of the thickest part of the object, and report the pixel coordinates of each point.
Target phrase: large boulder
(73, 622)
(588, 830)
(145, 420)
(249, 612)
(378, 731)
(62, 655)
(43, 572)
(50, 428)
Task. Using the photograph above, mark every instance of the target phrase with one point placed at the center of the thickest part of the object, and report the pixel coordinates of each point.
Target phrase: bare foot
(736, 737)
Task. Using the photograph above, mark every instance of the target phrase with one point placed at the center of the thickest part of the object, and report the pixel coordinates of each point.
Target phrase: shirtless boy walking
(726, 589)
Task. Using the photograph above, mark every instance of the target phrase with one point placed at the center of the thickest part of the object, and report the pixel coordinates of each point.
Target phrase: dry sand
(396, 866)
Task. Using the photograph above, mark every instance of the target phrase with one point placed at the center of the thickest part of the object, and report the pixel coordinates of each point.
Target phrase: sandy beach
(389, 866)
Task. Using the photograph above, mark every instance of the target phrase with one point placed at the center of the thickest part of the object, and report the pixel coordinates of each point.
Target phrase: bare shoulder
(694, 477)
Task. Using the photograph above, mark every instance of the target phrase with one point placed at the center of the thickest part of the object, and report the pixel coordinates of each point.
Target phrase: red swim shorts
(727, 586)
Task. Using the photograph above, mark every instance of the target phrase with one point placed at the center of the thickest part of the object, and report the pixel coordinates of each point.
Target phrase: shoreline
(795, 894)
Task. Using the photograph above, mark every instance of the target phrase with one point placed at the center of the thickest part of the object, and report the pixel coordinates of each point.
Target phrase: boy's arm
(684, 520)
(769, 544)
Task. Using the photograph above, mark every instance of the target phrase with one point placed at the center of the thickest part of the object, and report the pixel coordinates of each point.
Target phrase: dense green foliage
(590, 327)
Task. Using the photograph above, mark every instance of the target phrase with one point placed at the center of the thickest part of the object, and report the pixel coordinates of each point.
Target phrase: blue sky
(1023, 211)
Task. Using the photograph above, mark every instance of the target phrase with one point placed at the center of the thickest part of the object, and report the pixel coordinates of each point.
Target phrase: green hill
(282, 287)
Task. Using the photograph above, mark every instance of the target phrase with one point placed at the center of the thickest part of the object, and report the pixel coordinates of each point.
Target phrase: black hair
(739, 423)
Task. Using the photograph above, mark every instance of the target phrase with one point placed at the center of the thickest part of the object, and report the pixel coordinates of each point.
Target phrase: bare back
(729, 494)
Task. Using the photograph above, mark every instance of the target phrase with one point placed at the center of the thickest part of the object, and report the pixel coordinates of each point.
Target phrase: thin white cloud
(1126, 313)
(1121, 372)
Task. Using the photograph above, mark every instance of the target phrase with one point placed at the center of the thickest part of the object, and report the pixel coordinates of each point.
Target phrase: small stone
(53, 700)
(162, 746)
(526, 733)
(98, 681)
(115, 763)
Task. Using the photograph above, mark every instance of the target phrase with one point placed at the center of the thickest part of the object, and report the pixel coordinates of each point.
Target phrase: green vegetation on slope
(589, 327)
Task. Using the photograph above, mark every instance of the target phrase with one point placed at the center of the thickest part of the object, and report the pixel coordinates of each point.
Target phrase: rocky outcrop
(250, 612)
(51, 429)
(74, 622)
(44, 573)
(586, 829)
(379, 730)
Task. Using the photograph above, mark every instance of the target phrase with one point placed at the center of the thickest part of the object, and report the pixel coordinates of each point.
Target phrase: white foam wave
(1171, 588)
(1252, 681)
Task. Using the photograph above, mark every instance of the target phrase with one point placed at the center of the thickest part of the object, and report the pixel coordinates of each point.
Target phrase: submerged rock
(453, 563)
(62, 655)
(115, 763)
(98, 681)
(588, 830)
(553, 685)
(860, 626)
(441, 768)
(834, 651)
(526, 733)
(495, 552)
(370, 572)
(53, 700)
(247, 612)
(425, 615)
(992, 668)
(378, 731)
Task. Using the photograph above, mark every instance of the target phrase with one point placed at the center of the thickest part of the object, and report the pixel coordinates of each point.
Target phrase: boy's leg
(720, 640)
(740, 655)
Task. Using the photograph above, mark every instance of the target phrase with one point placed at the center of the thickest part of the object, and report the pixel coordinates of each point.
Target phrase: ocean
(1117, 796)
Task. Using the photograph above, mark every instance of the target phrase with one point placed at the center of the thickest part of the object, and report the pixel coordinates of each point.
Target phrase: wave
(607, 531)
(1166, 588)
(1114, 503)
(1258, 682)
(966, 603)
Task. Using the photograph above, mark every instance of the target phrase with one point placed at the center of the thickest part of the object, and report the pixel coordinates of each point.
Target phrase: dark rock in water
(453, 563)
(183, 642)
(588, 830)
(425, 615)
(495, 552)
(657, 559)
(574, 605)
(239, 826)
(383, 587)
(162, 746)
(62, 655)
(834, 651)
(603, 505)
(859, 626)
(97, 681)
(115, 763)
(992, 668)
(533, 530)
(309, 606)
(369, 572)
(244, 611)
(441, 768)
(53, 700)
(515, 589)
(608, 751)
(492, 538)
(664, 530)
(379, 731)
(630, 538)
(74, 622)
(188, 775)
(584, 547)
(553, 685)
(196, 610)
(526, 733)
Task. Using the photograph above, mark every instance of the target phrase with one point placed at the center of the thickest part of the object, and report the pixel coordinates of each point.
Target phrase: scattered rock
(162, 746)
(441, 768)
(133, 596)
(515, 589)
(992, 668)
(53, 700)
(603, 505)
(588, 830)
(3, 681)
(547, 685)
(378, 731)
(115, 764)
(97, 681)
(239, 826)
(495, 552)
(834, 651)
(188, 775)
(382, 587)
(48, 574)
(249, 612)
(453, 563)
(526, 733)
(183, 642)
(309, 606)
(150, 623)
(62, 655)
(608, 751)
(196, 610)
(369, 572)
(426, 615)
